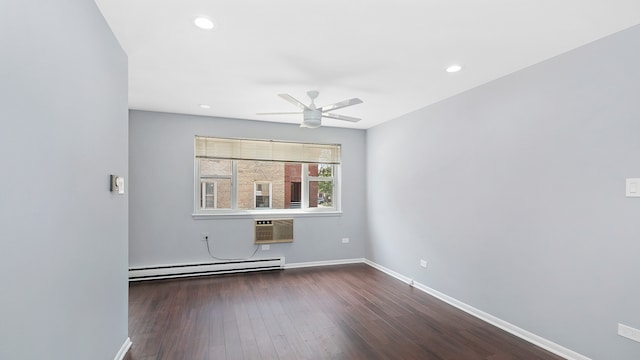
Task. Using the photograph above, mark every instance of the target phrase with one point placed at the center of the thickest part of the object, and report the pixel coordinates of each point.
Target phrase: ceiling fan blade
(295, 102)
(341, 117)
(280, 113)
(342, 104)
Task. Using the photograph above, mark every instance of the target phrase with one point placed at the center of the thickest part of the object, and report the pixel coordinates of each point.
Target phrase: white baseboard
(323, 263)
(497, 322)
(387, 271)
(123, 349)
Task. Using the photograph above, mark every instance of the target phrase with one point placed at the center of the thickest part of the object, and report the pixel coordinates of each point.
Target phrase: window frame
(304, 210)
(306, 181)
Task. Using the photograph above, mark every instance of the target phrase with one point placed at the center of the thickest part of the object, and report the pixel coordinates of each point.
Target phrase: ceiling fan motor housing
(312, 118)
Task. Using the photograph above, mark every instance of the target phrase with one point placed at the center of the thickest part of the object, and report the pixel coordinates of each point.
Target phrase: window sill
(264, 214)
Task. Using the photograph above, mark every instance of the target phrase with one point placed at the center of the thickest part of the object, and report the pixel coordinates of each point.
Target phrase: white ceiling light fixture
(204, 23)
(204, 106)
(454, 68)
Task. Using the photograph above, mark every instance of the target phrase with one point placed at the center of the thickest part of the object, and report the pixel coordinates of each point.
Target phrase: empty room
(336, 180)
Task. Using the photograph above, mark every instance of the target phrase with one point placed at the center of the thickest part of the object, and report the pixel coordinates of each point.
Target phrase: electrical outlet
(345, 240)
(423, 263)
(204, 237)
(266, 247)
(629, 332)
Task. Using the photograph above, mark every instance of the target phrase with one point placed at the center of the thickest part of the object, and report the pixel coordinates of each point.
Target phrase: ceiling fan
(313, 115)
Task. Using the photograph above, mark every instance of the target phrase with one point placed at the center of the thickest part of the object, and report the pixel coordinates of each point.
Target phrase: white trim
(495, 321)
(504, 325)
(337, 188)
(390, 272)
(323, 263)
(260, 214)
(304, 186)
(123, 349)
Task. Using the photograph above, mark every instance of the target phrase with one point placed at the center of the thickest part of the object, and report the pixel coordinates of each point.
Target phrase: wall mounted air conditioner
(273, 231)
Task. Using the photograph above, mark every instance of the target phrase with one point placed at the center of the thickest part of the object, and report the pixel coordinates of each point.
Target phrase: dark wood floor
(334, 312)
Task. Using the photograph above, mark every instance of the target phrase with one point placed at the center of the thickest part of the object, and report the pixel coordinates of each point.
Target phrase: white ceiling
(390, 54)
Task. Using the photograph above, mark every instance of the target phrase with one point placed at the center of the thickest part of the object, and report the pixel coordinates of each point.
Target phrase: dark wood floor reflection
(334, 312)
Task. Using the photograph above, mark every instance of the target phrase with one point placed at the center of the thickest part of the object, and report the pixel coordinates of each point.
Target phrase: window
(215, 184)
(262, 195)
(209, 198)
(240, 176)
(320, 185)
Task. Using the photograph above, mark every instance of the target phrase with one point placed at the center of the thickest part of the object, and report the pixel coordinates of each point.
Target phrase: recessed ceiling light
(454, 68)
(203, 23)
(204, 106)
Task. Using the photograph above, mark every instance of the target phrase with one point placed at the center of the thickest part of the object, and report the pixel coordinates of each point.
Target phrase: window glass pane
(209, 167)
(215, 194)
(209, 188)
(262, 192)
(255, 178)
(250, 174)
(292, 186)
(325, 170)
(295, 198)
(262, 201)
(312, 170)
(321, 170)
(224, 193)
(320, 194)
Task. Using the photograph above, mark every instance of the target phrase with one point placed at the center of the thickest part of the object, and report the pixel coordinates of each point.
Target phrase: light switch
(633, 187)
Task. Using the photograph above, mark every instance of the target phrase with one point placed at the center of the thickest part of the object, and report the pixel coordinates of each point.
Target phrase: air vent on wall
(274, 231)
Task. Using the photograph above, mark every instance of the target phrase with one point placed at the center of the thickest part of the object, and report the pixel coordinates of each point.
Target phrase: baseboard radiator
(188, 270)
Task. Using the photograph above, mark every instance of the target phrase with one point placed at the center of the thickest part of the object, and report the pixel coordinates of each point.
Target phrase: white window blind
(265, 150)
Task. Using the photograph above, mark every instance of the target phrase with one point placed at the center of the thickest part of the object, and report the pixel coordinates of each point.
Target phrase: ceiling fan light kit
(312, 115)
(312, 119)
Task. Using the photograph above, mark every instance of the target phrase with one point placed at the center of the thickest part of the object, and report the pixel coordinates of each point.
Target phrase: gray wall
(515, 194)
(162, 230)
(63, 262)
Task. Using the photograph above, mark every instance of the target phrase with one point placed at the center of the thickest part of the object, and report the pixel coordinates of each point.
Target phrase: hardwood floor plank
(274, 331)
(337, 312)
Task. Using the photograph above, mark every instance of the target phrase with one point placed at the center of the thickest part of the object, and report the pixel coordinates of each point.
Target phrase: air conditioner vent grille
(273, 231)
